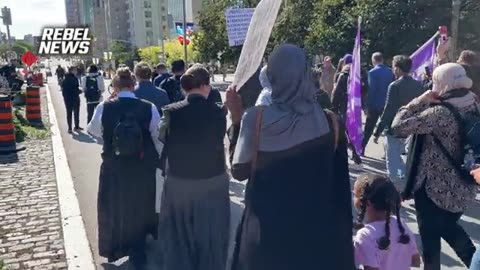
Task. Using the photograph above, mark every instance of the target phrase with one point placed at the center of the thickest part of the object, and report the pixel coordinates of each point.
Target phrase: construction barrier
(37, 79)
(7, 128)
(33, 108)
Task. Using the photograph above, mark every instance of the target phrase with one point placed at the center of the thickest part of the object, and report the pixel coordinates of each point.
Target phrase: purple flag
(424, 57)
(354, 109)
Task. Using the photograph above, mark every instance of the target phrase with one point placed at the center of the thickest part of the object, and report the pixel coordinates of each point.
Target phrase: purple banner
(354, 110)
(424, 57)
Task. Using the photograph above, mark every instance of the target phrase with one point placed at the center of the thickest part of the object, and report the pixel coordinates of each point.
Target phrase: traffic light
(6, 16)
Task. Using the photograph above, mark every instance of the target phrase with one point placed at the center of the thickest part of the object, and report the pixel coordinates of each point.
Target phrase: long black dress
(126, 194)
(298, 211)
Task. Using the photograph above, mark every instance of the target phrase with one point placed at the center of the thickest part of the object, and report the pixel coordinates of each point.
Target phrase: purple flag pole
(424, 57)
(354, 109)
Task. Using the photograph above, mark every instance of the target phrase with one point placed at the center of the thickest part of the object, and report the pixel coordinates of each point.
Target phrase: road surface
(83, 155)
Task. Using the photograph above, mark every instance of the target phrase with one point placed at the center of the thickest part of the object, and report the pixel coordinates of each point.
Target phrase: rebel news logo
(65, 41)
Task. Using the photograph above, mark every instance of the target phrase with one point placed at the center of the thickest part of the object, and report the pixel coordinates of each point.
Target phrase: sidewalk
(30, 223)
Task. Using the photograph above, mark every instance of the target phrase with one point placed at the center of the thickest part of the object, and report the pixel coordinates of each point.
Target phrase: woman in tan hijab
(441, 194)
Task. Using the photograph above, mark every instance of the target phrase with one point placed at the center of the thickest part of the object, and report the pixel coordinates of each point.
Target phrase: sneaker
(70, 131)
(78, 129)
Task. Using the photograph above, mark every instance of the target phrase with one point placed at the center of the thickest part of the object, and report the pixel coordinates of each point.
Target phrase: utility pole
(185, 31)
(456, 8)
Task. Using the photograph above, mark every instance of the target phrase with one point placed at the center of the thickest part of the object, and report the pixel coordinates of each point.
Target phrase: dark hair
(161, 66)
(468, 58)
(383, 196)
(178, 66)
(93, 69)
(377, 57)
(403, 62)
(195, 77)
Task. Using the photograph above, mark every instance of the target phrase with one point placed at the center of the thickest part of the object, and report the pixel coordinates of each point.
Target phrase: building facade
(175, 11)
(149, 22)
(72, 9)
(117, 20)
(98, 27)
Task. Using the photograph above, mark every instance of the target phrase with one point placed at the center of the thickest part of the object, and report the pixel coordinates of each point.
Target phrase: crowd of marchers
(164, 166)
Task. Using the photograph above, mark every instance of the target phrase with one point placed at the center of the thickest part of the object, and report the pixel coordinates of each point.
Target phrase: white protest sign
(238, 21)
(256, 41)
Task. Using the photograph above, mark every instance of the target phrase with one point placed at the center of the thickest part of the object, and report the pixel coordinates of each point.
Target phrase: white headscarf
(265, 97)
(450, 77)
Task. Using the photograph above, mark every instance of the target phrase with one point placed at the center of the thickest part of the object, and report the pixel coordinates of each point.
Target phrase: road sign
(29, 58)
(238, 21)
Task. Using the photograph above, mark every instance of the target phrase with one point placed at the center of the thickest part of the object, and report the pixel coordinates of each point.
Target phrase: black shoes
(78, 129)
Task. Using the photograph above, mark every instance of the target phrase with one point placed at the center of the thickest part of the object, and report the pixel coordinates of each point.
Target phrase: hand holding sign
(256, 41)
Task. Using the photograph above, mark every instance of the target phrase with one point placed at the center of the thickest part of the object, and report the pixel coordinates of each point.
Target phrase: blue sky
(29, 16)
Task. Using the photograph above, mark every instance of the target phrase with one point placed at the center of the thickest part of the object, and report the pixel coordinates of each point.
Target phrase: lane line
(77, 247)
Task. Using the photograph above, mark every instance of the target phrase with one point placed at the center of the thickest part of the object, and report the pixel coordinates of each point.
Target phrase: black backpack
(92, 92)
(128, 137)
(470, 141)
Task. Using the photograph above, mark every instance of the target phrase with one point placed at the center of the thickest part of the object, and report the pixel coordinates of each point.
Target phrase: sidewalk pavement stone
(30, 223)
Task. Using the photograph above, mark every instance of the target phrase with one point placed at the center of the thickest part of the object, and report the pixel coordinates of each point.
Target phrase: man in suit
(379, 78)
(400, 93)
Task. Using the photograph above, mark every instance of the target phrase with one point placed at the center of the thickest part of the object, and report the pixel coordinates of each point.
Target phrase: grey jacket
(400, 93)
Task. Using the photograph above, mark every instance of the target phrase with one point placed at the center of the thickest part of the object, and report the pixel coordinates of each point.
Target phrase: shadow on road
(83, 137)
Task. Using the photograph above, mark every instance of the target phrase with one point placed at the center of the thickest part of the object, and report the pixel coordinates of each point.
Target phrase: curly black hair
(383, 196)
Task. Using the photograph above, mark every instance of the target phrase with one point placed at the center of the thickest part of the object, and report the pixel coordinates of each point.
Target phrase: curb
(77, 247)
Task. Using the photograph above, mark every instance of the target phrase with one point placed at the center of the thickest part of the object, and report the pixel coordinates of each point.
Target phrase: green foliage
(26, 45)
(173, 51)
(2, 265)
(121, 51)
(328, 27)
(24, 131)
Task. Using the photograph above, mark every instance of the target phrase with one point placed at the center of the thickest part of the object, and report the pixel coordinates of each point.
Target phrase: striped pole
(7, 128)
(34, 110)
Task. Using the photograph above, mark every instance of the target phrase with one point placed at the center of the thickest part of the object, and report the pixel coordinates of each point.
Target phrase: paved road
(84, 160)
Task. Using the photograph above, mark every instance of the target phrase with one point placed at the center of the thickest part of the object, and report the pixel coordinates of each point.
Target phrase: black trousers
(73, 110)
(90, 110)
(371, 122)
(434, 224)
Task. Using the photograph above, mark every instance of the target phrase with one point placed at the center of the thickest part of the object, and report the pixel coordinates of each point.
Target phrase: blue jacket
(160, 78)
(147, 91)
(379, 78)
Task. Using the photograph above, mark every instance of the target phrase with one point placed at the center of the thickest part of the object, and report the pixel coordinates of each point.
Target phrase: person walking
(379, 78)
(441, 193)
(126, 192)
(400, 93)
(328, 75)
(93, 87)
(71, 96)
(60, 72)
(172, 85)
(384, 242)
(146, 90)
(160, 74)
(340, 100)
(291, 149)
(195, 210)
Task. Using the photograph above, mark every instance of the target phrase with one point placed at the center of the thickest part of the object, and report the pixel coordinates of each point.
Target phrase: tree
(211, 40)
(173, 51)
(121, 51)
